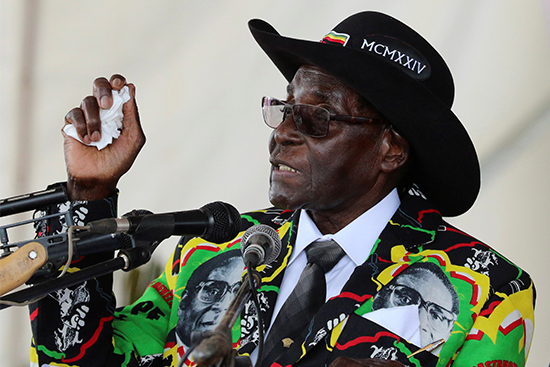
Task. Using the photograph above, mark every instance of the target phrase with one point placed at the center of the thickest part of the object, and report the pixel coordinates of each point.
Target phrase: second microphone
(216, 222)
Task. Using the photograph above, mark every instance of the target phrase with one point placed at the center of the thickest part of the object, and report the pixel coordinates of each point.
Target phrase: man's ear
(395, 149)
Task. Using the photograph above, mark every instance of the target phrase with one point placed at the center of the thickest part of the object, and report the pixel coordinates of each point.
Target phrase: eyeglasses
(439, 319)
(310, 120)
(212, 291)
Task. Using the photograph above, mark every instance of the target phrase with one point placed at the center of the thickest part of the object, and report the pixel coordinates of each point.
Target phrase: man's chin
(280, 205)
(284, 202)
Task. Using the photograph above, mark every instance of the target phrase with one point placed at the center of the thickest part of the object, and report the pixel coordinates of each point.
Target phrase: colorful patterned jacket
(464, 292)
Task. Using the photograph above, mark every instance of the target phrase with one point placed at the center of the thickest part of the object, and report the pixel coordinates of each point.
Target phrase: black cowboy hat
(405, 78)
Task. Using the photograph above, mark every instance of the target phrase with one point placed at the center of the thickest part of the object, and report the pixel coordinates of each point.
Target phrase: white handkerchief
(111, 121)
(402, 321)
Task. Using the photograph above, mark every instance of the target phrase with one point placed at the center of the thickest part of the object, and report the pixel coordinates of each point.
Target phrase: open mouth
(283, 167)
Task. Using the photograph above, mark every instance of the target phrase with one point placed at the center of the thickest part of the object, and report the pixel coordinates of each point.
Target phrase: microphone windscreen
(265, 236)
(225, 222)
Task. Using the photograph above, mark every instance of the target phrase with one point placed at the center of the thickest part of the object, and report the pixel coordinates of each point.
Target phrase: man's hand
(93, 174)
(368, 362)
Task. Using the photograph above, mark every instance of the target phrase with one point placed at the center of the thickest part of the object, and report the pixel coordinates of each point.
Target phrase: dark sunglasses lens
(311, 120)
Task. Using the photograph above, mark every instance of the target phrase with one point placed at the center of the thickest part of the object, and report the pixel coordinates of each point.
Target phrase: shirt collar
(358, 237)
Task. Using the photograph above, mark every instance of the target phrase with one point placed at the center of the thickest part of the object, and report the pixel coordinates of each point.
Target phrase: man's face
(330, 174)
(434, 300)
(210, 300)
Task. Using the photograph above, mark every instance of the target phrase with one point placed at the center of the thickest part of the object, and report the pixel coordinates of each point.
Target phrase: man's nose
(423, 314)
(287, 132)
(424, 319)
(223, 304)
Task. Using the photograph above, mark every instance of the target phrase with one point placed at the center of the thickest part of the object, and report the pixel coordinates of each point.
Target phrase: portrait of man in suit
(427, 286)
(208, 294)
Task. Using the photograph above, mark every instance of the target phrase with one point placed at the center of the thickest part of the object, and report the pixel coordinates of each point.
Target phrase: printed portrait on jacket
(208, 293)
(426, 286)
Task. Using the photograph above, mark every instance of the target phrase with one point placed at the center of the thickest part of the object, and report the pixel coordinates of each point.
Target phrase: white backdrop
(200, 77)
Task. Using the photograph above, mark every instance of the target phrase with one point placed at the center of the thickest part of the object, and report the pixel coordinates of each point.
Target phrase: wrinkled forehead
(416, 278)
(430, 287)
(315, 76)
(230, 272)
(315, 82)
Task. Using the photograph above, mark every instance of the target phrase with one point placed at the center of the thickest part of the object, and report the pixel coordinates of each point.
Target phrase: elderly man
(366, 157)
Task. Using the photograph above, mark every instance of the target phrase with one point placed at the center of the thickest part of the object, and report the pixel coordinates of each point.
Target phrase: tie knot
(325, 253)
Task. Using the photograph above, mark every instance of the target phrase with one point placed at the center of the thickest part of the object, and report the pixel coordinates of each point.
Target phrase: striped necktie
(305, 300)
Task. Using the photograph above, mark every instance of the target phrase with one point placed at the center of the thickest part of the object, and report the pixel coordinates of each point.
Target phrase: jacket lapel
(272, 276)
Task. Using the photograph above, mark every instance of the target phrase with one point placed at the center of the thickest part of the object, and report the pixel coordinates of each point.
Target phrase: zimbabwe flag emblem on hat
(335, 37)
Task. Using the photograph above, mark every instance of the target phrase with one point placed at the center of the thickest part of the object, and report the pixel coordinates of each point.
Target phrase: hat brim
(446, 166)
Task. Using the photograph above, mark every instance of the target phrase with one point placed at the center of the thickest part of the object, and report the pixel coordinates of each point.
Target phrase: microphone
(216, 222)
(260, 244)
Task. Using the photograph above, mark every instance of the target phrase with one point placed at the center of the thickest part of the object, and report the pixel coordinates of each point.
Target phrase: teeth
(282, 167)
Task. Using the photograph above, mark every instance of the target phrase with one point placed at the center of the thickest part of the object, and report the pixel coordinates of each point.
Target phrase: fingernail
(95, 136)
(86, 139)
(104, 101)
(117, 83)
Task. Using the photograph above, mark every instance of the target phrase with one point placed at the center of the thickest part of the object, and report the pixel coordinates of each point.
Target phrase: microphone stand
(216, 347)
(39, 199)
(136, 250)
(143, 243)
(126, 260)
